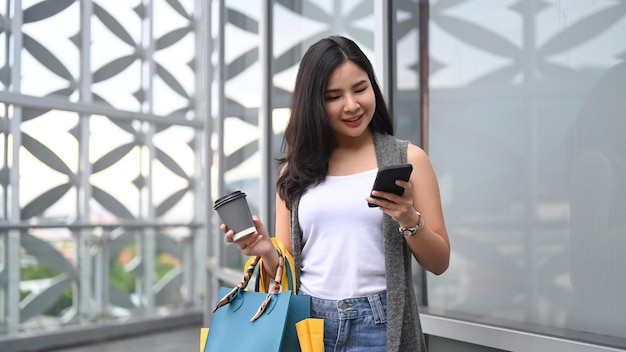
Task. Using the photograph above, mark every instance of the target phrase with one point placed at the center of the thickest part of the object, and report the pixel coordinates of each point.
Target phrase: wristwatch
(411, 231)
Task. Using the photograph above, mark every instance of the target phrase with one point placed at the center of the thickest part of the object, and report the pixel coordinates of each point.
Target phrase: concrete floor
(187, 340)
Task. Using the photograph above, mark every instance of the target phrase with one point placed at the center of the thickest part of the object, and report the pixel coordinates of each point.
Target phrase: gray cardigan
(404, 331)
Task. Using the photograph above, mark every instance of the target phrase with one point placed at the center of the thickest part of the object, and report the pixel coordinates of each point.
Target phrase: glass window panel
(528, 136)
(406, 95)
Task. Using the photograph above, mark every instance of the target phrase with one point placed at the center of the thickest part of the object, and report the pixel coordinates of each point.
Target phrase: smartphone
(386, 179)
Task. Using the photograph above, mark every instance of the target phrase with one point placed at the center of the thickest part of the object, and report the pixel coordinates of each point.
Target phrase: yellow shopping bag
(204, 333)
(263, 283)
(311, 334)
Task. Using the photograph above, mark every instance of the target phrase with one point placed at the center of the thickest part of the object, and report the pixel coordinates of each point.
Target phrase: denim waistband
(351, 308)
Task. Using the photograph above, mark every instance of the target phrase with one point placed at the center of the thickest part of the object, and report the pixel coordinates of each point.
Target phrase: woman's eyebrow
(361, 82)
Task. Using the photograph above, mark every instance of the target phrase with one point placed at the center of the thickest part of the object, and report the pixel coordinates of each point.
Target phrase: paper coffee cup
(234, 211)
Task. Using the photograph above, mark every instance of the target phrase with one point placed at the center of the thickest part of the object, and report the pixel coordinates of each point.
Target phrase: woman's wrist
(412, 230)
(271, 259)
(413, 219)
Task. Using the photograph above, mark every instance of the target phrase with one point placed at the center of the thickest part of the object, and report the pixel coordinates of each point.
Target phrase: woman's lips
(354, 121)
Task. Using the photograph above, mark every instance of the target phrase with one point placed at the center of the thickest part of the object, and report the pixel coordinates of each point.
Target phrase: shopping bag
(257, 321)
(311, 334)
(204, 332)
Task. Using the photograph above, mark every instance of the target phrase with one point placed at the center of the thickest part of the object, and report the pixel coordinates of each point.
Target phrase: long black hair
(309, 139)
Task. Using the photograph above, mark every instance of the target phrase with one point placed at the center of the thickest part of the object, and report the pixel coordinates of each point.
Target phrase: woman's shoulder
(415, 151)
(417, 157)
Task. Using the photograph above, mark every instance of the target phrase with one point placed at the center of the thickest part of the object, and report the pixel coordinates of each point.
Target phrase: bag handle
(289, 274)
(246, 279)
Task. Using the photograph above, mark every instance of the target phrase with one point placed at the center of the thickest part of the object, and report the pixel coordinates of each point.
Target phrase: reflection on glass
(598, 208)
(527, 133)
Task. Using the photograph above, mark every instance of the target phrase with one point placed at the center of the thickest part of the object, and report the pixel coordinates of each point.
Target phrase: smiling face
(350, 101)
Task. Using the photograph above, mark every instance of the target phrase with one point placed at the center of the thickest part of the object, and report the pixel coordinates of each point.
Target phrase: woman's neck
(353, 155)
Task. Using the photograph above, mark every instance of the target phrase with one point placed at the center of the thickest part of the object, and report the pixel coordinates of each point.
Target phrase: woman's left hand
(399, 207)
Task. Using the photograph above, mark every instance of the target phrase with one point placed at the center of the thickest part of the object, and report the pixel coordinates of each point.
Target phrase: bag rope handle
(246, 279)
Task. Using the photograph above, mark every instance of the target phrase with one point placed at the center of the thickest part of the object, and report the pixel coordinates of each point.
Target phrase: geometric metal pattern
(101, 170)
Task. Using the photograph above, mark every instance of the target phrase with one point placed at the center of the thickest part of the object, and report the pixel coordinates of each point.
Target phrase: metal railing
(81, 274)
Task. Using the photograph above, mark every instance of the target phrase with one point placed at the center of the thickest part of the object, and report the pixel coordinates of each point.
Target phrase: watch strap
(412, 231)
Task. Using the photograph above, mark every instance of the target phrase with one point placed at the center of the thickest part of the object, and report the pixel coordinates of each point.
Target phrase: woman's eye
(332, 98)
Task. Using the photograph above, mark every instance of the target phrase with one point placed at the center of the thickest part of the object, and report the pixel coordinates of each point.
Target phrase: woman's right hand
(257, 243)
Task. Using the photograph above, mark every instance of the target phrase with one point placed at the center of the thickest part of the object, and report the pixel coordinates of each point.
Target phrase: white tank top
(342, 238)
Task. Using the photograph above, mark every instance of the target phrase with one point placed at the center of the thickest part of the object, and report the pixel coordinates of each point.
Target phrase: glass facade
(527, 134)
(122, 121)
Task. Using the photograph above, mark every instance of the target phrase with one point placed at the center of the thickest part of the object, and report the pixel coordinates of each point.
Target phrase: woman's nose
(351, 104)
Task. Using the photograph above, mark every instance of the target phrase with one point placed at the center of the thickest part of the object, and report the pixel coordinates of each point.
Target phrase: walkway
(187, 340)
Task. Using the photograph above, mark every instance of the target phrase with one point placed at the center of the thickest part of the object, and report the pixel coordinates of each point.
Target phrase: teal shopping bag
(258, 321)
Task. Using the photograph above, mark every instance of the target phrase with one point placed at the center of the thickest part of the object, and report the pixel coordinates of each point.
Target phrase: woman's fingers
(257, 243)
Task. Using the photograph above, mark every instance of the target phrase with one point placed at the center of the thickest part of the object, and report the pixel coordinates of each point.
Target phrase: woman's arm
(283, 224)
(430, 244)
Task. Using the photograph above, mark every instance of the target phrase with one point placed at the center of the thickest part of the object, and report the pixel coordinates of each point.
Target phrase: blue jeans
(354, 324)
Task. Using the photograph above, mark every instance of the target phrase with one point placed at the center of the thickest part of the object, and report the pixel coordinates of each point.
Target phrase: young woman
(353, 260)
